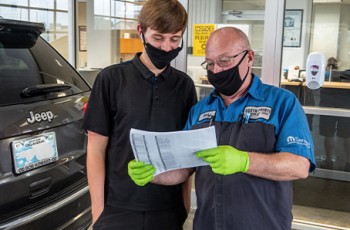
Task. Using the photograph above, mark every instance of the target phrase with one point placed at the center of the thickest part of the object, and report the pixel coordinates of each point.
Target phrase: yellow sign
(201, 34)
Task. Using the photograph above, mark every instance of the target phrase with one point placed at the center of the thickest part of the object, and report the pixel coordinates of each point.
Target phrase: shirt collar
(145, 72)
(255, 90)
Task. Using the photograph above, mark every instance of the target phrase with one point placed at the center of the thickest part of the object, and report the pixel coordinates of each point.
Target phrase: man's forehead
(157, 33)
(221, 51)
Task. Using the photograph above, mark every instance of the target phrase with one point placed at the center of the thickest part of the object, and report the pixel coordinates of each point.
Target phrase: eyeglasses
(222, 62)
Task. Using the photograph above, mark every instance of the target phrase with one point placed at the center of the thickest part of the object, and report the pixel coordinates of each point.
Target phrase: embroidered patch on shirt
(258, 112)
(298, 141)
(207, 115)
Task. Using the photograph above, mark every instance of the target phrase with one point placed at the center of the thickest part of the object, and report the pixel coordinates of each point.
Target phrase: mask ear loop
(245, 54)
(143, 38)
(182, 43)
(241, 62)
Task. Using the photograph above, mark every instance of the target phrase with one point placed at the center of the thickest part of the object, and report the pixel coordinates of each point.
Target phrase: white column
(273, 35)
(201, 11)
(71, 34)
(99, 41)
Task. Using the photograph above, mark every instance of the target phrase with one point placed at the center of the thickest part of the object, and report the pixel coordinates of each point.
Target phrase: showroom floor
(189, 221)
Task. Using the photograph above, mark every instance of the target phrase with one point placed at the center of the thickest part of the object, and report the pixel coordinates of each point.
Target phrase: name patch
(207, 115)
(258, 112)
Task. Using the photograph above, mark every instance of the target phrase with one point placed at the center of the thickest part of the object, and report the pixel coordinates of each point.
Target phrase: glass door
(316, 68)
(106, 34)
(207, 15)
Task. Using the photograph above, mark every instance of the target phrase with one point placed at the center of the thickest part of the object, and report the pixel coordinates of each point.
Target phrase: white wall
(200, 12)
(326, 29)
(194, 68)
(344, 39)
(100, 47)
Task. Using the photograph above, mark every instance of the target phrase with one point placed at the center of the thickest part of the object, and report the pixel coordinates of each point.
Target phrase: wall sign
(201, 34)
(292, 28)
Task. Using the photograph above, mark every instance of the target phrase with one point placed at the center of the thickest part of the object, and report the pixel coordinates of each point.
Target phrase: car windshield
(22, 68)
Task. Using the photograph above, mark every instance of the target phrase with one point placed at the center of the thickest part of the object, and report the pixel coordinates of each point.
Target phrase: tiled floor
(320, 218)
(189, 221)
(322, 202)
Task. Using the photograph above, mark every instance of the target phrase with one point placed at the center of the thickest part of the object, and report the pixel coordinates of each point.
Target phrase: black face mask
(158, 57)
(228, 81)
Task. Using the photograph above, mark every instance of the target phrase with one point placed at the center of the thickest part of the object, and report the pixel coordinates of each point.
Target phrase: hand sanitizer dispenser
(315, 70)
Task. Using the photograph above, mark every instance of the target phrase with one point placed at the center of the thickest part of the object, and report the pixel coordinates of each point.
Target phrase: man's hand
(140, 173)
(225, 159)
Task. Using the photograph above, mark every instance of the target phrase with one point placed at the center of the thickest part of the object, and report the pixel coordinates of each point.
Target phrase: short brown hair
(332, 61)
(165, 16)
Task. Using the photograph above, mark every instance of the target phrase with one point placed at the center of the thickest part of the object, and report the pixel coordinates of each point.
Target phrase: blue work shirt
(266, 119)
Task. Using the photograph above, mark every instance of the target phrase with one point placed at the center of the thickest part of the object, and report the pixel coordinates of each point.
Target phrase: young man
(144, 93)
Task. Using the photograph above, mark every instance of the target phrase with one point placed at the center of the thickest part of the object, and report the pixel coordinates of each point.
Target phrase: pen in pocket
(211, 120)
(246, 118)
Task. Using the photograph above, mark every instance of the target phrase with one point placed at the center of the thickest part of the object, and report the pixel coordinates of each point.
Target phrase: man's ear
(251, 56)
(139, 30)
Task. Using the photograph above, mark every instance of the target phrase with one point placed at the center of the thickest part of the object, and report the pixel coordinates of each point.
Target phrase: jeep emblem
(39, 117)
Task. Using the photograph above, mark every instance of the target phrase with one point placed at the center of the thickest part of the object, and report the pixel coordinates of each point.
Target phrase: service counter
(326, 84)
(336, 85)
(337, 93)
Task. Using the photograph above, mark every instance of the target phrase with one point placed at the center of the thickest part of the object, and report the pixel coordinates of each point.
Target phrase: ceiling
(260, 4)
(243, 4)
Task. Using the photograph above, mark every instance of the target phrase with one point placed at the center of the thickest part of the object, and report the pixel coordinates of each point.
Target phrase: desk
(291, 83)
(204, 87)
(335, 85)
(326, 84)
(204, 80)
(330, 94)
(293, 86)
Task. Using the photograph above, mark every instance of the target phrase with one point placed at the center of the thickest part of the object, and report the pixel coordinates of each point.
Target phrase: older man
(264, 142)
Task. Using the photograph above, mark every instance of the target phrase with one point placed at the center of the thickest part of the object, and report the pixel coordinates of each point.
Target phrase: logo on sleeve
(258, 112)
(298, 141)
(207, 115)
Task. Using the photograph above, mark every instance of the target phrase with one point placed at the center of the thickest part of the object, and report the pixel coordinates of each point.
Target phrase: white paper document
(172, 150)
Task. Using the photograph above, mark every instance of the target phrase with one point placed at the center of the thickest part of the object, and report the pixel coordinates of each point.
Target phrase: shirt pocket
(254, 137)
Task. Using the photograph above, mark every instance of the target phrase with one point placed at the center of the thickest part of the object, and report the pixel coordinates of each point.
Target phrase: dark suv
(43, 182)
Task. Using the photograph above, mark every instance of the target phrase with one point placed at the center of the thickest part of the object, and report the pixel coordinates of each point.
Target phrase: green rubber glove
(225, 159)
(140, 172)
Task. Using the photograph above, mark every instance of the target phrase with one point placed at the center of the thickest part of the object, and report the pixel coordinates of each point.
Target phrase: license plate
(33, 152)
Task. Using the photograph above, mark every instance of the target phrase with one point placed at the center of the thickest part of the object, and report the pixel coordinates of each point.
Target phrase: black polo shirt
(126, 96)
